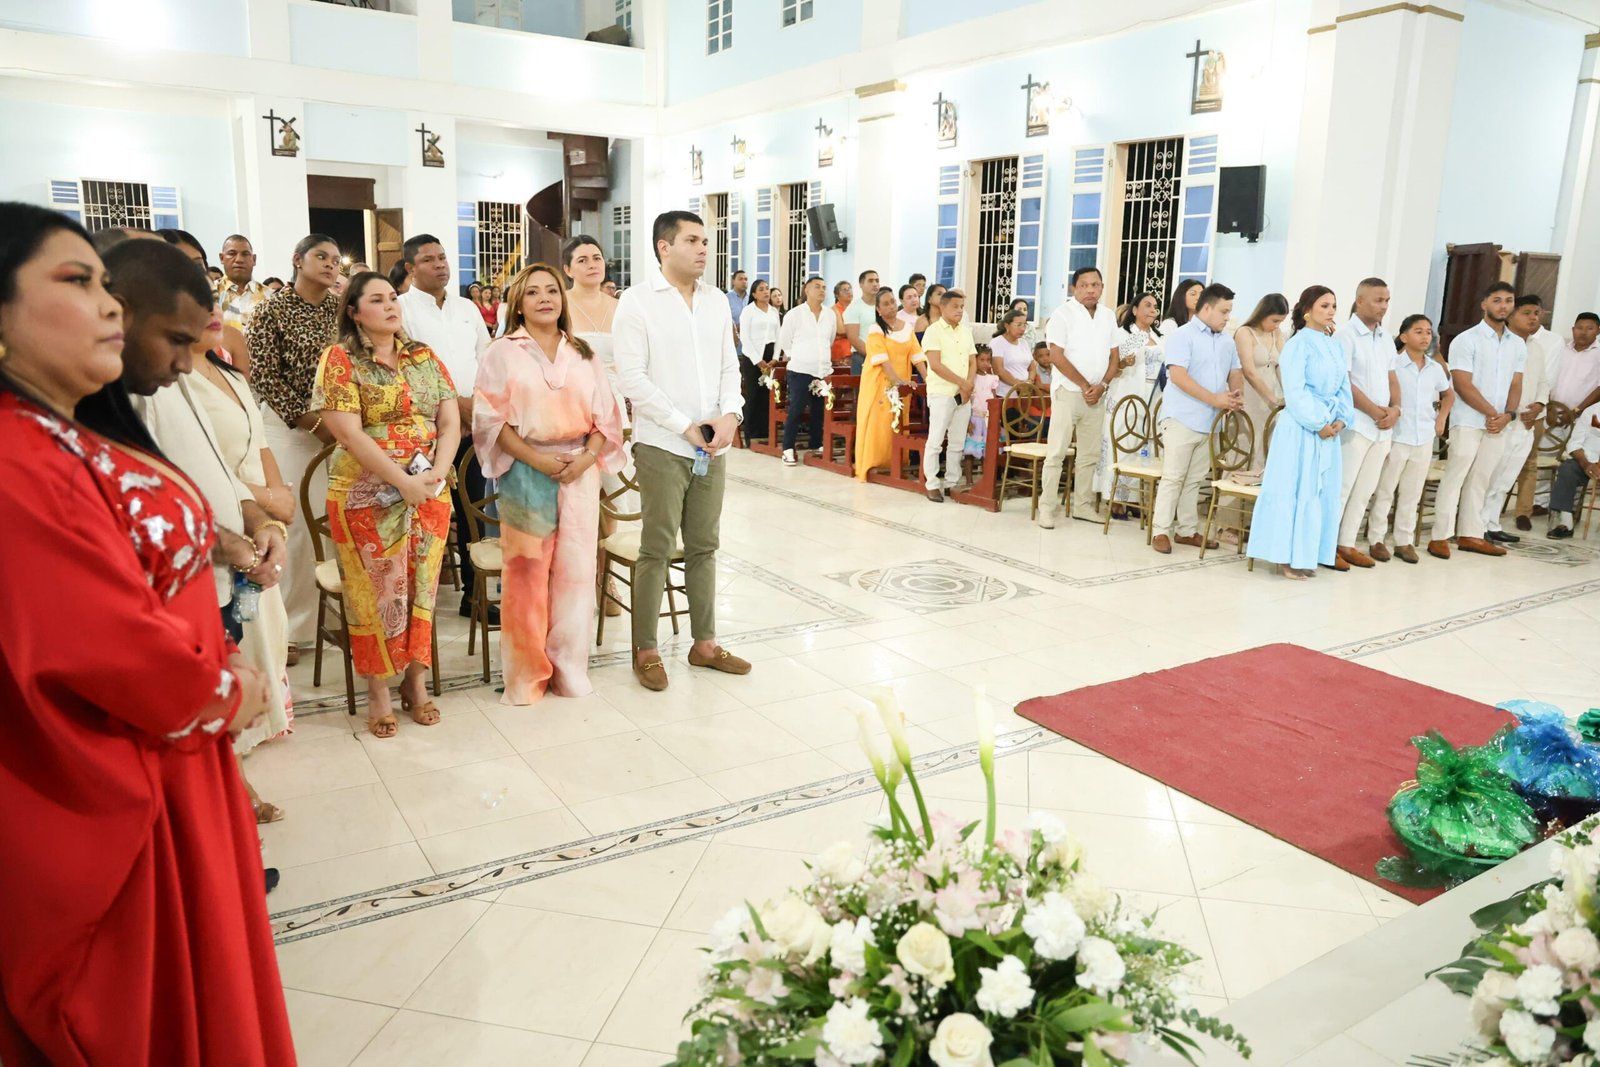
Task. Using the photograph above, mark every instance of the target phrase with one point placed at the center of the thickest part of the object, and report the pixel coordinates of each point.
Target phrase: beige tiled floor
(595, 964)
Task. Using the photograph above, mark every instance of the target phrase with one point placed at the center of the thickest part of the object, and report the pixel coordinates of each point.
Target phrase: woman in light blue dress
(1296, 521)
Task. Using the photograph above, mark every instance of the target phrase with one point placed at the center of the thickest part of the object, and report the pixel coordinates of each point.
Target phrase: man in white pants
(1082, 334)
(1486, 364)
(1203, 377)
(1423, 380)
(1370, 355)
(1524, 429)
(952, 369)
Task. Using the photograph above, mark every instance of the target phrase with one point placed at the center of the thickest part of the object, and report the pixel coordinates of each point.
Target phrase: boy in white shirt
(1423, 380)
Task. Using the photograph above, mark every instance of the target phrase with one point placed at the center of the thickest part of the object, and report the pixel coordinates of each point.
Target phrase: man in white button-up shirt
(1486, 365)
(1081, 334)
(1578, 471)
(449, 324)
(1516, 462)
(1369, 352)
(806, 341)
(676, 361)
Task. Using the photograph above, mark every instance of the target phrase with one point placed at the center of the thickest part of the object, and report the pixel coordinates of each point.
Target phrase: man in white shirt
(1082, 335)
(1486, 364)
(676, 361)
(1517, 464)
(1370, 356)
(805, 340)
(449, 324)
(1577, 474)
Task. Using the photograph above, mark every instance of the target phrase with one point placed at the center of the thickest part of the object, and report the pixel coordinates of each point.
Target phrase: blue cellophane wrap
(1545, 756)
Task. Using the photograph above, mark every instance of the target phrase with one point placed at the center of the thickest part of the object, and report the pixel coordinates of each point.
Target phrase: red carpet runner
(1304, 746)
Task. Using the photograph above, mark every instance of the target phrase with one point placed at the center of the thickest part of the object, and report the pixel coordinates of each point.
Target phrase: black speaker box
(1242, 200)
(824, 228)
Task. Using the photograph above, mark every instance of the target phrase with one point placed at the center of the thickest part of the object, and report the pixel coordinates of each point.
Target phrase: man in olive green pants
(676, 362)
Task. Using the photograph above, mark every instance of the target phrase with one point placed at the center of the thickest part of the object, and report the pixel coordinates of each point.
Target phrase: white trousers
(1405, 471)
(1518, 443)
(1474, 457)
(294, 450)
(1185, 462)
(947, 427)
(1072, 416)
(1362, 467)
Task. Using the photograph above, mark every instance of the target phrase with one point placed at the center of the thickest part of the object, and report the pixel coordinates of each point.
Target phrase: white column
(873, 155)
(1382, 168)
(1300, 266)
(273, 211)
(1578, 212)
(647, 185)
(428, 194)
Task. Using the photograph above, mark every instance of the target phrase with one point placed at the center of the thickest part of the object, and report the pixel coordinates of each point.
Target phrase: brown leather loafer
(1355, 557)
(1524, 523)
(936, 495)
(1193, 541)
(1407, 553)
(1379, 551)
(1439, 549)
(1160, 543)
(652, 675)
(1480, 546)
(720, 660)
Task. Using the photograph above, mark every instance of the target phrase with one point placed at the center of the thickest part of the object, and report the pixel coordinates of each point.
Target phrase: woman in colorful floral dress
(391, 406)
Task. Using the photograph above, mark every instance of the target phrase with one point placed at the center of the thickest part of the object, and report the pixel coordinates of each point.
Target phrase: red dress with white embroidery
(133, 927)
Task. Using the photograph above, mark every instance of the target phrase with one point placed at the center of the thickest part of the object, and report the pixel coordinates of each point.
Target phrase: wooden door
(1537, 273)
(391, 236)
(1469, 269)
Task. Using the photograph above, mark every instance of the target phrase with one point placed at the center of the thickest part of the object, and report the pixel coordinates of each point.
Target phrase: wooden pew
(839, 425)
(985, 492)
(905, 472)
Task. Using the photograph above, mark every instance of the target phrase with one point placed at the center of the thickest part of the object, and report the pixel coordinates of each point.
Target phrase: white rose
(1049, 827)
(798, 930)
(1495, 988)
(1538, 988)
(839, 864)
(1063, 853)
(1005, 990)
(848, 944)
(728, 934)
(1525, 1038)
(961, 1041)
(1089, 898)
(1578, 949)
(1054, 926)
(850, 1035)
(1591, 1035)
(924, 951)
(1100, 968)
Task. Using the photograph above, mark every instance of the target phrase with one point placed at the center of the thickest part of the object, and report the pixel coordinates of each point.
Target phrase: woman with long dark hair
(392, 407)
(929, 312)
(1296, 522)
(759, 324)
(136, 930)
(1260, 345)
(545, 425)
(1139, 356)
(892, 350)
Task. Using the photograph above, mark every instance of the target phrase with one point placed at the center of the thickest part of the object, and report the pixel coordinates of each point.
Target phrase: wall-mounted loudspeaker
(824, 229)
(1242, 201)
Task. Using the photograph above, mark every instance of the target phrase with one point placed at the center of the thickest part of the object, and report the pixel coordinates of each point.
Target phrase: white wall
(217, 26)
(358, 135)
(506, 172)
(1508, 133)
(179, 142)
(762, 45)
(347, 38)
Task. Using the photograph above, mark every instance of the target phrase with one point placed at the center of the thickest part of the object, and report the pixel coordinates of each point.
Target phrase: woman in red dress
(135, 927)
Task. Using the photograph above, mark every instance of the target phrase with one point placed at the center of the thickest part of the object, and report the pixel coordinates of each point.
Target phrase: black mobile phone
(707, 432)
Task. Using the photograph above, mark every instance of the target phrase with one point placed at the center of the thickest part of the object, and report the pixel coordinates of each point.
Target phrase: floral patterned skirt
(389, 558)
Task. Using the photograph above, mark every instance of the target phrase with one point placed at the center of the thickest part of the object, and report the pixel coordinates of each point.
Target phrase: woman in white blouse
(806, 341)
(1013, 354)
(1138, 355)
(759, 323)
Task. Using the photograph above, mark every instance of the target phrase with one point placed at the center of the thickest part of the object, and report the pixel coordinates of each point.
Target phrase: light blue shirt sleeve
(1180, 349)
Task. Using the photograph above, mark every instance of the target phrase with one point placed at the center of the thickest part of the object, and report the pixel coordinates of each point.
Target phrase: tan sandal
(425, 714)
(266, 813)
(383, 726)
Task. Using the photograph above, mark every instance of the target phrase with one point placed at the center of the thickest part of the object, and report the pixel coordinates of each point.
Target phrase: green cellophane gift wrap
(1459, 818)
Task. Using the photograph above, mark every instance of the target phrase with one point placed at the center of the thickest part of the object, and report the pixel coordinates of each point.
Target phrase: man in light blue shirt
(738, 297)
(1203, 378)
(1486, 365)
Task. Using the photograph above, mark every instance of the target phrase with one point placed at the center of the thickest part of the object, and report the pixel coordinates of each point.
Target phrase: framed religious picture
(1038, 106)
(946, 121)
(432, 154)
(282, 135)
(741, 156)
(1206, 91)
(697, 166)
(824, 144)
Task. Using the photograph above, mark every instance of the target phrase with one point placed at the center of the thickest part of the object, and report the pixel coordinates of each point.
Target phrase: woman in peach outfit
(545, 423)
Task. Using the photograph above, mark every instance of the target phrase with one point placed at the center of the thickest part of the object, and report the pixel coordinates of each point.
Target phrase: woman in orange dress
(135, 926)
(545, 424)
(390, 404)
(892, 348)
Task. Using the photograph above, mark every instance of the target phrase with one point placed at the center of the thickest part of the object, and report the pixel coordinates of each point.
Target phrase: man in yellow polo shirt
(949, 349)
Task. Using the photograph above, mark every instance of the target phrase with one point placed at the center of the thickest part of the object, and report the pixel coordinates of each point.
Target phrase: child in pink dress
(985, 386)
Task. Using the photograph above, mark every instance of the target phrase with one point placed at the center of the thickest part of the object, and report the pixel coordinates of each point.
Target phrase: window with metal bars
(716, 220)
(500, 236)
(621, 265)
(625, 16)
(1151, 197)
(997, 239)
(109, 204)
(796, 199)
(795, 11)
(719, 26)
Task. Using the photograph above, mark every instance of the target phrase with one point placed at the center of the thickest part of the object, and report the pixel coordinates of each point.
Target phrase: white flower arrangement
(949, 944)
(823, 388)
(1534, 974)
(897, 407)
(769, 382)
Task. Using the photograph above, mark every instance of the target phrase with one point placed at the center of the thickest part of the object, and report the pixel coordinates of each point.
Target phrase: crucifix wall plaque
(740, 157)
(432, 154)
(696, 166)
(282, 135)
(1205, 94)
(945, 111)
(1038, 113)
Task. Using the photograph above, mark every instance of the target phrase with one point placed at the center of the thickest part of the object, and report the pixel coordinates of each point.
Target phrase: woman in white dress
(1260, 344)
(759, 324)
(1138, 350)
(584, 262)
(235, 416)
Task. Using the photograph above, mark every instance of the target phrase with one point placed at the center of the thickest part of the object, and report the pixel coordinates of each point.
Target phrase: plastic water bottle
(246, 598)
(702, 462)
